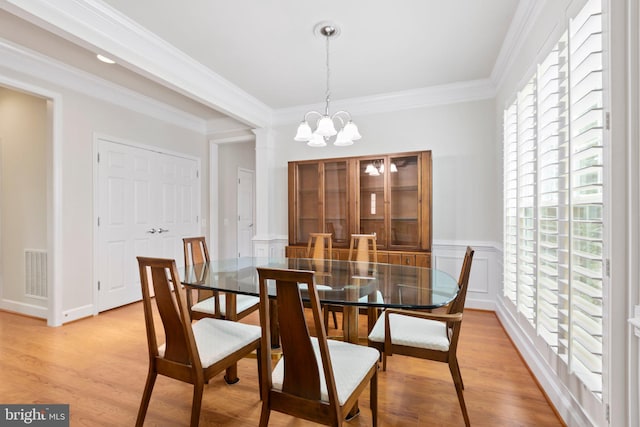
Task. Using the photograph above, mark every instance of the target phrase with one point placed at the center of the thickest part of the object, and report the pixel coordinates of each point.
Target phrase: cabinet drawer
(408, 259)
(423, 260)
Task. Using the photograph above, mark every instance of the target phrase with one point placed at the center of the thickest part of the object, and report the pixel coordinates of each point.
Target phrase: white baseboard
(24, 308)
(560, 396)
(77, 313)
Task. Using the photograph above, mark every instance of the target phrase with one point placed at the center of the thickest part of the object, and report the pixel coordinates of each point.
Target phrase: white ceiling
(268, 49)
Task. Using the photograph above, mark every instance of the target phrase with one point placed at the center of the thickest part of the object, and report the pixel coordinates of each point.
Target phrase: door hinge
(98, 157)
(98, 221)
(607, 415)
(98, 284)
(607, 267)
(607, 120)
(197, 173)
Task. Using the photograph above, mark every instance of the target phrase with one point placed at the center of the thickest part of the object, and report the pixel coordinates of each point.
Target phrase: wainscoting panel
(484, 282)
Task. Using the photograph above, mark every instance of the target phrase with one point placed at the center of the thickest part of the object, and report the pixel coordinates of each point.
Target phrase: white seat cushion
(412, 332)
(377, 299)
(217, 338)
(243, 302)
(350, 363)
(304, 287)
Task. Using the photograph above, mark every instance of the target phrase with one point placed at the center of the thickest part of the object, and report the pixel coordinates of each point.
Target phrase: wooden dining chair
(192, 352)
(316, 379)
(212, 303)
(427, 335)
(318, 243)
(363, 248)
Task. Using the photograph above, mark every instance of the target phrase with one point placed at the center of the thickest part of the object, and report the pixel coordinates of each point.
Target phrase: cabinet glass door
(336, 202)
(308, 200)
(404, 200)
(372, 212)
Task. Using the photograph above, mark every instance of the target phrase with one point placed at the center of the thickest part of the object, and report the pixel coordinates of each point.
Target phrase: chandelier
(325, 123)
(376, 168)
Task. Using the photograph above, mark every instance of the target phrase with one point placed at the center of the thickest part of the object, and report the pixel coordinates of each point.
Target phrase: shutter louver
(585, 62)
(526, 290)
(510, 203)
(554, 200)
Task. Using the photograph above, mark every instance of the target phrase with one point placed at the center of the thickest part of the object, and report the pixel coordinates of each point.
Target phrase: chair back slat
(196, 254)
(360, 243)
(317, 244)
(168, 306)
(195, 250)
(301, 372)
(301, 376)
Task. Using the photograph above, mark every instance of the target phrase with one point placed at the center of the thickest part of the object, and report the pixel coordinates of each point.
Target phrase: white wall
(23, 202)
(461, 137)
(82, 116)
(231, 157)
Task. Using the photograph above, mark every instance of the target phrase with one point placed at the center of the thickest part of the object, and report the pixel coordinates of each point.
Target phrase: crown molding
(233, 139)
(397, 101)
(97, 26)
(521, 25)
(27, 62)
(225, 125)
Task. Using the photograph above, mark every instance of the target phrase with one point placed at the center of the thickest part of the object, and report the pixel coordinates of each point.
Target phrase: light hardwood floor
(98, 366)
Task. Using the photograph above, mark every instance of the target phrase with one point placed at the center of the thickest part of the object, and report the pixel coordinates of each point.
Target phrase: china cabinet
(389, 195)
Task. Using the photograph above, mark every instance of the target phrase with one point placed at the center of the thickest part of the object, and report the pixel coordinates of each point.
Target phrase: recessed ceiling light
(105, 59)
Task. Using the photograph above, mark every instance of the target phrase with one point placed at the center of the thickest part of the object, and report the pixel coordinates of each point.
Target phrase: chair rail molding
(99, 26)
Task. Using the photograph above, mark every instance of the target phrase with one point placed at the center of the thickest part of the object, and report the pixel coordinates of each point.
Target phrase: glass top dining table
(350, 284)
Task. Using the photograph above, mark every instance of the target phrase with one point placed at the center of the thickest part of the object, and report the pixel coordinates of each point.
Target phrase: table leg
(350, 326)
(231, 375)
(350, 316)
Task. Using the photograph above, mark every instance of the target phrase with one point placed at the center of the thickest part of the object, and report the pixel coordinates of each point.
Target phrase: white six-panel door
(147, 202)
(245, 213)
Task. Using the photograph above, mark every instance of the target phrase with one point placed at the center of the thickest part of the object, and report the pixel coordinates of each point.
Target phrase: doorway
(245, 212)
(147, 201)
(30, 282)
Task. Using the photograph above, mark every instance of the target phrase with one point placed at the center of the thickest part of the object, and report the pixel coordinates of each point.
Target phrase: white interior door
(147, 202)
(245, 213)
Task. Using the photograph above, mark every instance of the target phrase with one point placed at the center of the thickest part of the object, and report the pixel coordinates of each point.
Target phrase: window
(553, 199)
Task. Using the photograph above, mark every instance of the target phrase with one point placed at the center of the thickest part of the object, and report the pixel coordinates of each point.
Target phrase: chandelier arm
(337, 113)
(306, 116)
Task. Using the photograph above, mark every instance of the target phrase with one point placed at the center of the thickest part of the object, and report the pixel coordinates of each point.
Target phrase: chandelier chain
(328, 91)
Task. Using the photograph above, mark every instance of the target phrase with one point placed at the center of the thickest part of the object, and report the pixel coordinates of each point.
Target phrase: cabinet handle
(152, 231)
(162, 230)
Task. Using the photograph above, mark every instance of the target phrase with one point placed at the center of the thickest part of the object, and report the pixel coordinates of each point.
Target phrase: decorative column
(214, 195)
(266, 244)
